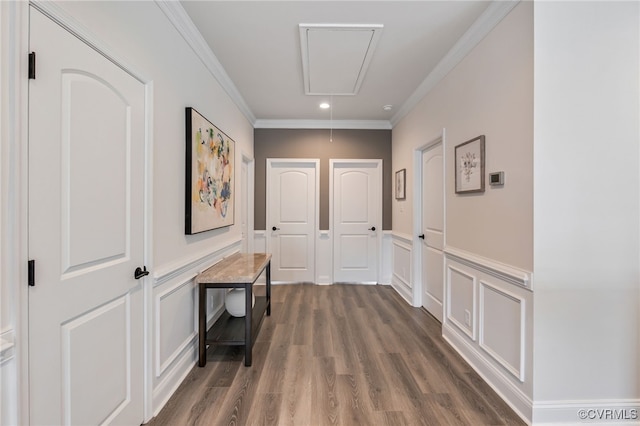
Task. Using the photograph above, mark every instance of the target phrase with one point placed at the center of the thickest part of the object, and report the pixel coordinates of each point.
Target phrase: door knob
(421, 236)
(139, 273)
(275, 229)
(373, 228)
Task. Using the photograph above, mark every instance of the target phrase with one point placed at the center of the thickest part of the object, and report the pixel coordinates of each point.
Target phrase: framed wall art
(470, 166)
(401, 180)
(210, 180)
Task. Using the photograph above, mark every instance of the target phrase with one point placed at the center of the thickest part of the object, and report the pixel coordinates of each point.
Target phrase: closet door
(86, 194)
(357, 220)
(292, 218)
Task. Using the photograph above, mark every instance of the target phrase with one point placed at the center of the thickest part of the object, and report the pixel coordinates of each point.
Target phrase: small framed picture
(401, 180)
(470, 166)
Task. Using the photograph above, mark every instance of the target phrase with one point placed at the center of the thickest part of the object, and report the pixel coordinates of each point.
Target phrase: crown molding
(323, 124)
(187, 29)
(494, 13)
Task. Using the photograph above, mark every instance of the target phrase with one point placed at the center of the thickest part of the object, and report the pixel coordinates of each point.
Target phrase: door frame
(417, 212)
(250, 187)
(14, 109)
(15, 138)
(316, 216)
(332, 166)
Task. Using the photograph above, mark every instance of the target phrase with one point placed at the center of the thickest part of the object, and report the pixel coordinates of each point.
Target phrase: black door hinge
(32, 66)
(32, 273)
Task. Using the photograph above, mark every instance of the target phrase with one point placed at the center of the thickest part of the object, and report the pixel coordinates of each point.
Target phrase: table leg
(248, 343)
(202, 325)
(268, 276)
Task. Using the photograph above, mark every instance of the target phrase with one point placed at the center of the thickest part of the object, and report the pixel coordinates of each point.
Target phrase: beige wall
(314, 143)
(490, 92)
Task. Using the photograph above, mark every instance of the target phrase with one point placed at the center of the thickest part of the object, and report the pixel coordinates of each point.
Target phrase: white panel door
(292, 215)
(432, 230)
(86, 199)
(357, 220)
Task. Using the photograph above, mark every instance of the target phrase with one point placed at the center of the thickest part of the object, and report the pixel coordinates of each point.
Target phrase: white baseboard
(402, 289)
(498, 381)
(610, 412)
(173, 377)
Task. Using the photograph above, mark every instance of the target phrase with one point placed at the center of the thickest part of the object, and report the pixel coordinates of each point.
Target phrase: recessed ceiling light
(325, 105)
(387, 107)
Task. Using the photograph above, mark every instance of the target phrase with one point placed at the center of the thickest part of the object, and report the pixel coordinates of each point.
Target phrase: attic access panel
(335, 57)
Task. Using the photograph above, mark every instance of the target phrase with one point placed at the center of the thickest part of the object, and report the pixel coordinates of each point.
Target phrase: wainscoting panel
(489, 321)
(173, 333)
(259, 241)
(175, 325)
(386, 267)
(461, 300)
(401, 278)
(324, 259)
(502, 320)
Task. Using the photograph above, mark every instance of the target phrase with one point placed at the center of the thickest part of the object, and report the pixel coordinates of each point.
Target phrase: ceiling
(258, 47)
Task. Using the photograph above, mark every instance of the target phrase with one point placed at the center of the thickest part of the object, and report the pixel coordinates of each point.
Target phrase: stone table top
(237, 268)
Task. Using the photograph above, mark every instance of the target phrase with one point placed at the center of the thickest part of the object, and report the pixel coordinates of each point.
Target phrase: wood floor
(338, 355)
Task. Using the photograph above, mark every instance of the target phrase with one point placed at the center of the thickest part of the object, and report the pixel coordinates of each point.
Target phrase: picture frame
(469, 167)
(401, 181)
(210, 180)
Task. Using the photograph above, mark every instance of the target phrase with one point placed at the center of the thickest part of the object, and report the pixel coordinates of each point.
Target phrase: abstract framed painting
(210, 193)
(470, 166)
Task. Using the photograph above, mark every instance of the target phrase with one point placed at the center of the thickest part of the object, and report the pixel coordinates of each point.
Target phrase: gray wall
(314, 143)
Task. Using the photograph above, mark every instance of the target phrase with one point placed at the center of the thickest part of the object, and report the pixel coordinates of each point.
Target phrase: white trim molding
(581, 412)
(401, 277)
(323, 124)
(499, 270)
(386, 254)
(401, 236)
(176, 374)
(469, 329)
(187, 29)
(162, 365)
(516, 370)
(169, 282)
(497, 342)
(14, 345)
(418, 152)
(493, 376)
(199, 261)
(324, 260)
(494, 13)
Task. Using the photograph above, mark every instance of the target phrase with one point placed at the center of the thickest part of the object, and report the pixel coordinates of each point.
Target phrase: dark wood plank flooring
(338, 355)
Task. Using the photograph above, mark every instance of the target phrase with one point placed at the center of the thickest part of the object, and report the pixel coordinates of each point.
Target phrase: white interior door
(356, 187)
(432, 230)
(86, 195)
(292, 218)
